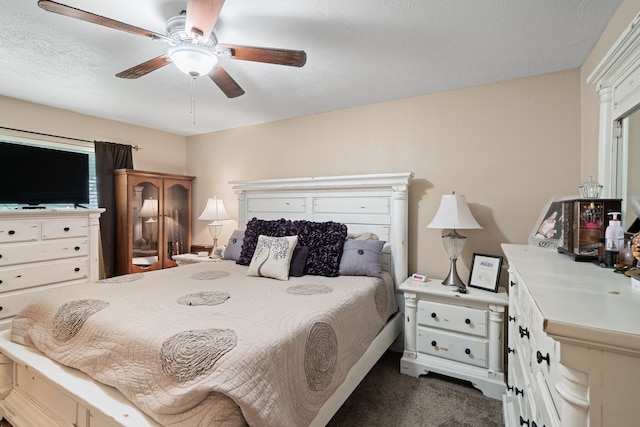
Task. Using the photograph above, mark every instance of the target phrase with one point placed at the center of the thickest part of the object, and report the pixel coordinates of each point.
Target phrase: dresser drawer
(460, 348)
(453, 318)
(19, 231)
(20, 254)
(64, 228)
(12, 302)
(27, 276)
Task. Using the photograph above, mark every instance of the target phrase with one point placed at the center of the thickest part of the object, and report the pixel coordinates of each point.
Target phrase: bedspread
(204, 344)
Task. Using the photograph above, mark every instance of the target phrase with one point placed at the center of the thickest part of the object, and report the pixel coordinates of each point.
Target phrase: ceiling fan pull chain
(193, 99)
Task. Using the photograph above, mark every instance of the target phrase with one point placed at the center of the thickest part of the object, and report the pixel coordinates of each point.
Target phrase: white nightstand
(183, 259)
(459, 335)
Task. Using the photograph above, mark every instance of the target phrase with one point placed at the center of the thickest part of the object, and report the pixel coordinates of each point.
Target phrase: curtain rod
(134, 147)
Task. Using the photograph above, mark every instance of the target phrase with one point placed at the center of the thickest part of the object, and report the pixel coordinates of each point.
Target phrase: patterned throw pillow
(361, 258)
(272, 257)
(232, 251)
(325, 241)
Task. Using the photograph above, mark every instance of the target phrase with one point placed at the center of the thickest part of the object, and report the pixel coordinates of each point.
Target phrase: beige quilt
(205, 345)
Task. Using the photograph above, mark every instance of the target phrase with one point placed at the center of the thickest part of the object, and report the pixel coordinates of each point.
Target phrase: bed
(314, 309)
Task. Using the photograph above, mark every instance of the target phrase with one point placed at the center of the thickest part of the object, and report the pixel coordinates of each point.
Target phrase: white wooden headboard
(376, 203)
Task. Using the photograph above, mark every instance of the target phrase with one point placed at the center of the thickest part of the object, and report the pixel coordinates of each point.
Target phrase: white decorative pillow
(272, 257)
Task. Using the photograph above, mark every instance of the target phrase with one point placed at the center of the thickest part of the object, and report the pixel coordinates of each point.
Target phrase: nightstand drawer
(453, 318)
(460, 348)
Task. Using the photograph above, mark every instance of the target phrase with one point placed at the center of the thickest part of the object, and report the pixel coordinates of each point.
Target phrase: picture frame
(548, 231)
(485, 272)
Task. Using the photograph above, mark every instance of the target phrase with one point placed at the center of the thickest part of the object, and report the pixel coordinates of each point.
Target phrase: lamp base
(453, 280)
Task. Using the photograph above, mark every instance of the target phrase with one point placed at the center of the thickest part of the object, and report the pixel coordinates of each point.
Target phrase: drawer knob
(467, 321)
(433, 343)
(12, 232)
(511, 350)
(523, 422)
(512, 318)
(540, 357)
(434, 315)
(76, 269)
(523, 332)
(77, 248)
(0, 255)
(66, 229)
(467, 351)
(1, 307)
(0, 282)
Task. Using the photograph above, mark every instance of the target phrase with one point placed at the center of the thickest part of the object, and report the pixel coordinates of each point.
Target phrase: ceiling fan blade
(51, 6)
(294, 58)
(225, 82)
(144, 68)
(202, 16)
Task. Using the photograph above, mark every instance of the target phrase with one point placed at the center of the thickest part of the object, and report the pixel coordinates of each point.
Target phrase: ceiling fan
(194, 47)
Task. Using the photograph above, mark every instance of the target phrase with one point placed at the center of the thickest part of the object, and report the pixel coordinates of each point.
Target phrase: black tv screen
(34, 176)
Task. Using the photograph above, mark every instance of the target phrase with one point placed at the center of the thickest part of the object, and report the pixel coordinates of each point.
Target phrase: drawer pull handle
(467, 321)
(434, 315)
(77, 248)
(511, 350)
(433, 343)
(12, 232)
(66, 229)
(523, 332)
(512, 318)
(467, 351)
(523, 422)
(76, 269)
(509, 387)
(512, 283)
(540, 357)
(519, 392)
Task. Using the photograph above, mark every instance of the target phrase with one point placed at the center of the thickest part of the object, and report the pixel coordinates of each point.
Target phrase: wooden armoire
(153, 219)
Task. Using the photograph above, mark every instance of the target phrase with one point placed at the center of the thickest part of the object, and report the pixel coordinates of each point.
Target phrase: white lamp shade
(454, 213)
(192, 59)
(149, 208)
(214, 211)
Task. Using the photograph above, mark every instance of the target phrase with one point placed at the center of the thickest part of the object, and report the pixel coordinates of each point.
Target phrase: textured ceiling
(359, 52)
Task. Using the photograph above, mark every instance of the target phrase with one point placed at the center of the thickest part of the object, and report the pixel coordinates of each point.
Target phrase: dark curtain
(109, 156)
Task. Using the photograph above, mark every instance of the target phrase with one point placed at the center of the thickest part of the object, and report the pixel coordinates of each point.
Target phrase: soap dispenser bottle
(613, 240)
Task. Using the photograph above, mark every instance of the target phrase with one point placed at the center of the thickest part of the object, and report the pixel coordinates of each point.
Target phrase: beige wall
(160, 151)
(508, 147)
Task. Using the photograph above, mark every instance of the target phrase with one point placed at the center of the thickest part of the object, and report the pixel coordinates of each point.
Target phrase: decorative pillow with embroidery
(361, 258)
(232, 251)
(272, 257)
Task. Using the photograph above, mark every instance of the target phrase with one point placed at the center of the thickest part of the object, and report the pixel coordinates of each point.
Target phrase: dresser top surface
(579, 300)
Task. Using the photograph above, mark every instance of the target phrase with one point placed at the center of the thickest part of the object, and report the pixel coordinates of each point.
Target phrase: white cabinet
(41, 249)
(459, 335)
(574, 343)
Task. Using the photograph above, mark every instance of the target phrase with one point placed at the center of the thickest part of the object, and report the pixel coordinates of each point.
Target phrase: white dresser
(573, 345)
(459, 335)
(42, 249)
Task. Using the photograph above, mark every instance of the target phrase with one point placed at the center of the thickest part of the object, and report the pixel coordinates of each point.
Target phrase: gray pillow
(234, 246)
(361, 258)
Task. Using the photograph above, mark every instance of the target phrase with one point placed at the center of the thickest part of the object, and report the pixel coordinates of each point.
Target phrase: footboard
(35, 391)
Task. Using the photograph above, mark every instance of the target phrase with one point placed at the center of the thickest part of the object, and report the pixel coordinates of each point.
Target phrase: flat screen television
(34, 176)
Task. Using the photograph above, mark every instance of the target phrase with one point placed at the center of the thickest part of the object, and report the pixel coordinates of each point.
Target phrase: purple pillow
(298, 261)
(325, 241)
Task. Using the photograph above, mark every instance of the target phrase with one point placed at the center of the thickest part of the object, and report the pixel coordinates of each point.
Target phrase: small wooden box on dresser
(44, 249)
(574, 343)
(453, 334)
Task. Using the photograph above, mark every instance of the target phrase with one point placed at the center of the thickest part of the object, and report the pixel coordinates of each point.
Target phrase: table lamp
(149, 210)
(453, 214)
(215, 212)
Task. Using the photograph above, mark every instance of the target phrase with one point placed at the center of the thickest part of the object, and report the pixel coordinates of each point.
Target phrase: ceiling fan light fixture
(192, 59)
